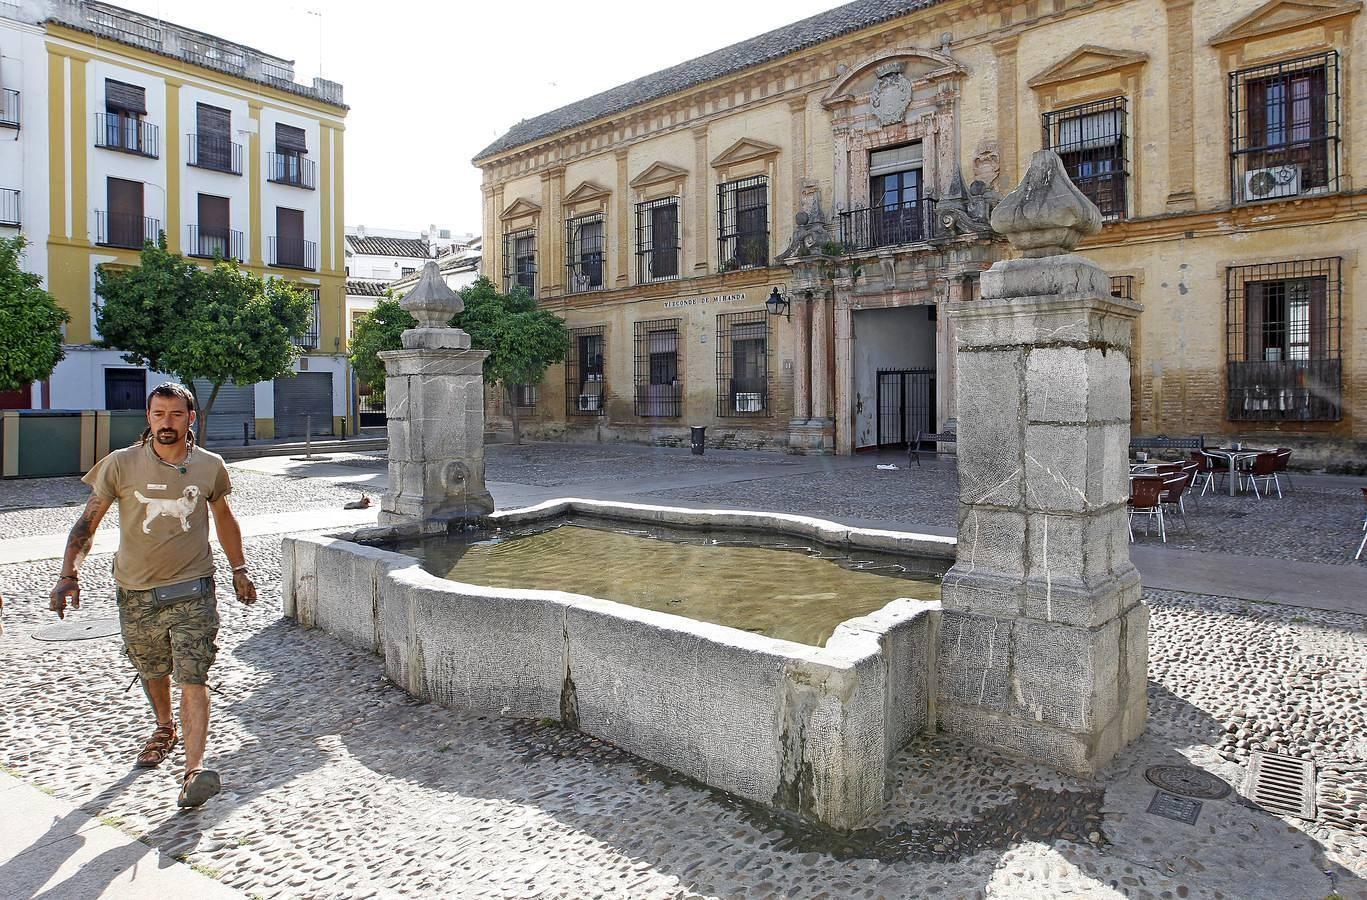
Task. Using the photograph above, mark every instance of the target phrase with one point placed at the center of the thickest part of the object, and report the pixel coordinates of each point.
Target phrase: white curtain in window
(1099, 129)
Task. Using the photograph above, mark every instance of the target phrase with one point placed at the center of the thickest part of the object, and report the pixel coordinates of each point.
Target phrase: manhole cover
(77, 630)
(1171, 806)
(1187, 781)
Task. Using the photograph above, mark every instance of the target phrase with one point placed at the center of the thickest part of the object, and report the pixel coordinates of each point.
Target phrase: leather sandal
(157, 748)
(199, 785)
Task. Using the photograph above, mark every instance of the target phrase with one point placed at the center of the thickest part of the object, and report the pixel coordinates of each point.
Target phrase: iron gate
(906, 405)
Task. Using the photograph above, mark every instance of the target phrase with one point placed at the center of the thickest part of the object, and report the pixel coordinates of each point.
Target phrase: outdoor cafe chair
(1174, 486)
(1207, 471)
(1146, 499)
(1262, 467)
(1283, 462)
(1363, 545)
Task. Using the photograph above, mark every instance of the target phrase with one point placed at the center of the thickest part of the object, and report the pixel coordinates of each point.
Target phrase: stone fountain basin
(805, 729)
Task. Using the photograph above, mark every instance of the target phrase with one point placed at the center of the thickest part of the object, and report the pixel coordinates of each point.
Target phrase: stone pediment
(586, 191)
(520, 207)
(744, 150)
(1284, 15)
(1088, 61)
(658, 172)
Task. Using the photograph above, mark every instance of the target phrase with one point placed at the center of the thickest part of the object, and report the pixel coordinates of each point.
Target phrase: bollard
(699, 438)
(308, 437)
(343, 427)
(246, 439)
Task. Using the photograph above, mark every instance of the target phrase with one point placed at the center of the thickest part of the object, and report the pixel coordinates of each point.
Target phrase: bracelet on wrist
(241, 568)
(73, 577)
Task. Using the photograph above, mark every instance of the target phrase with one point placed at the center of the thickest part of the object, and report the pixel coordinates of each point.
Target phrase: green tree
(523, 340)
(219, 325)
(30, 322)
(374, 332)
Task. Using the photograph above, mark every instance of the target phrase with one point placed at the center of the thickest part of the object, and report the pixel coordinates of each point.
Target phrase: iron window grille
(523, 396)
(584, 241)
(1122, 287)
(585, 373)
(208, 151)
(127, 133)
(309, 339)
(657, 240)
(9, 108)
(1091, 140)
(1284, 341)
(519, 260)
(212, 242)
(743, 223)
(1284, 129)
(658, 372)
(128, 230)
(743, 364)
(9, 207)
(293, 253)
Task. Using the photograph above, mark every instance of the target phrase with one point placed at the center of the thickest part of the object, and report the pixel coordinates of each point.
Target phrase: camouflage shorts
(177, 639)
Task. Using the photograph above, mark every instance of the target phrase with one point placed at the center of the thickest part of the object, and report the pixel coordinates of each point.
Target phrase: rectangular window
(743, 223)
(121, 125)
(211, 236)
(289, 164)
(743, 364)
(896, 213)
(309, 339)
(585, 386)
(211, 145)
(1122, 287)
(289, 248)
(658, 375)
(524, 396)
(1284, 344)
(1284, 127)
(123, 223)
(519, 260)
(657, 240)
(1090, 139)
(584, 253)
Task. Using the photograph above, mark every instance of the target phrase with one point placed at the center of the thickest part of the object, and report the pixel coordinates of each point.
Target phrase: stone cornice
(1283, 15)
(1291, 212)
(744, 150)
(1088, 61)
(657, 173)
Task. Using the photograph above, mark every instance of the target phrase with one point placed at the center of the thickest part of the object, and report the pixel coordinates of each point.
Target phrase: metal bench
(914, 450)
(1163, 442)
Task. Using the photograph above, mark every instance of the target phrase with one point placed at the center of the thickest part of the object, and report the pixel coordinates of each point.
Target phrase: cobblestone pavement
(50, 505)
(338, 784)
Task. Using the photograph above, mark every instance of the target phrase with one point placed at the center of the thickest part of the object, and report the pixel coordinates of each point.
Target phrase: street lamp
(778, 305)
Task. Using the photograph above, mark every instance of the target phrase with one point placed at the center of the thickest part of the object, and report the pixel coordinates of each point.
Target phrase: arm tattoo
(83, 532)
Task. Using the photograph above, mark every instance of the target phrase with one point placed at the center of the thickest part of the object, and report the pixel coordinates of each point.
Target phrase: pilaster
(699, 214)
(622, 193)
(1180, 139)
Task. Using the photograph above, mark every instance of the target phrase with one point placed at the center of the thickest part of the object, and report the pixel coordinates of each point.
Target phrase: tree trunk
(517, 422)
(202, 432)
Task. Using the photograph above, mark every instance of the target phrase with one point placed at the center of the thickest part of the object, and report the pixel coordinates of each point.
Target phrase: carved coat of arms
(891, 95)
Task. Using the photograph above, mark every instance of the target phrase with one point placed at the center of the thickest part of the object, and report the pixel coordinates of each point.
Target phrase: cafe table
(1233, 456)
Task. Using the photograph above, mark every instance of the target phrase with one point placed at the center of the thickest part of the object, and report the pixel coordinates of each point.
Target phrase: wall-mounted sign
(705, 300)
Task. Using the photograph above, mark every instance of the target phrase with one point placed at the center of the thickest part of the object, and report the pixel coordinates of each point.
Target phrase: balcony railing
(9, 207)
(210, 243)
(887, 226)
(127, 135)
(292, 169)
(209, 151)
(293, 253)
(130, 230)
(9, 109)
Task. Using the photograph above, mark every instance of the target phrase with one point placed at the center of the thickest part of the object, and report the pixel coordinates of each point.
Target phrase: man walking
(164, 571)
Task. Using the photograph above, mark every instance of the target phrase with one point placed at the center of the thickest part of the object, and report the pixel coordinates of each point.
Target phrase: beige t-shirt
(163, 513)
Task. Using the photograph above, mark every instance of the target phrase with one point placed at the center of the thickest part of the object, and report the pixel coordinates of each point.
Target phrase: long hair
(170, 389)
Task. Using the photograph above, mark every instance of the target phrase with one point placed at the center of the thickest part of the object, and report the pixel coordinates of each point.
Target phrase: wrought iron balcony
(128, 230)
(291, 169)
(209, 151)
(911, 222)
(9, 207)
(127, 135)
(214, 243)
(9, 108)
(293, 253)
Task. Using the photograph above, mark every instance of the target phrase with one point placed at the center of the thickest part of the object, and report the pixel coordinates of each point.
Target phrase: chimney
(360, 231)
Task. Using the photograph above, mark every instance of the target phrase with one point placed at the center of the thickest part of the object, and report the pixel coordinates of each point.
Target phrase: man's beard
(168, 436)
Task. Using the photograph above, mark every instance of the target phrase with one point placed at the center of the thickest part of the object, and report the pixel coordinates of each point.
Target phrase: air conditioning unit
(749, 402)
(1272, 182)
(590, 402)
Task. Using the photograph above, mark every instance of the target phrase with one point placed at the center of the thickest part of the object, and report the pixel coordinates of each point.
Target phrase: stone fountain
(434, 398)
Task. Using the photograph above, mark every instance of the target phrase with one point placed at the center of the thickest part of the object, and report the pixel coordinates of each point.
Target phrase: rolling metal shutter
(304, 394)
(235, 404)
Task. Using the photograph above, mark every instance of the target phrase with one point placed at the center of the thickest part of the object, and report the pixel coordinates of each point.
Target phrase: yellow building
(151, 128)
(850, 162)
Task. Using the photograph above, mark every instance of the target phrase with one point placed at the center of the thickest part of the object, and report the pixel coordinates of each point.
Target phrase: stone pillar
(821, 356)
(434, 397)
(802, 359)
(1043, 645)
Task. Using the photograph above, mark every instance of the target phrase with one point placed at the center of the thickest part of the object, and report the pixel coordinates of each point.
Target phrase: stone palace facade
(762, 240)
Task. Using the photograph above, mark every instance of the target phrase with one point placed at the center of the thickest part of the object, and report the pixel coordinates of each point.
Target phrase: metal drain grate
(1282, 784)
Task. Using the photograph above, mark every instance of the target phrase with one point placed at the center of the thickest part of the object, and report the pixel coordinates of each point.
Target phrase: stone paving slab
(51, 848)
(339, 784)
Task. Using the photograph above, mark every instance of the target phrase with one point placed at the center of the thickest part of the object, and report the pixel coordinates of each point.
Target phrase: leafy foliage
(374, 332)
(30, 322)
(220, 324)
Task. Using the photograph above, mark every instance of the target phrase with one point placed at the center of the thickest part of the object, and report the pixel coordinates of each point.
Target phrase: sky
(431, 84)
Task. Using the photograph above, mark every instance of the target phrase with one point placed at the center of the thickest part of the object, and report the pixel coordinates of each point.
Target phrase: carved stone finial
(432, 302)
(1046, 215)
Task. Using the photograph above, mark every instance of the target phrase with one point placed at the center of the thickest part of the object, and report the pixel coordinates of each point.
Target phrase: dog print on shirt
(178, 508)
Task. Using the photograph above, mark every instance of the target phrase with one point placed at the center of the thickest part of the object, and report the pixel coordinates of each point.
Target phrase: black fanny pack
(194, 589)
